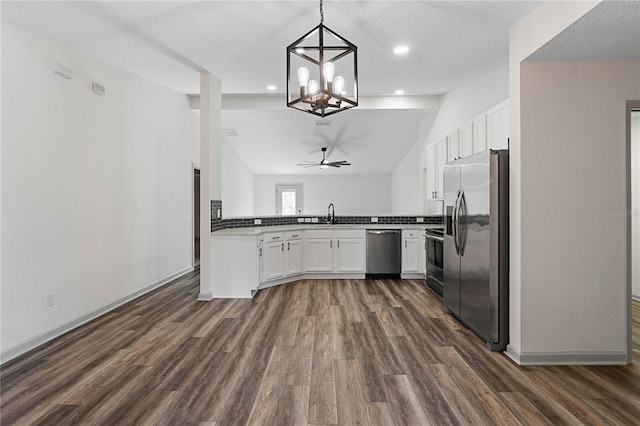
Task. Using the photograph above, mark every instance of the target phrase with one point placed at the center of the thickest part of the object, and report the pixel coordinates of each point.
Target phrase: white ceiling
(244, 42)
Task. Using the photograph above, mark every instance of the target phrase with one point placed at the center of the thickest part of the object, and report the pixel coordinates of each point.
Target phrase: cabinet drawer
(276, 236)
(410, 233)
(349, 233)
(318, 233)
(293, 235)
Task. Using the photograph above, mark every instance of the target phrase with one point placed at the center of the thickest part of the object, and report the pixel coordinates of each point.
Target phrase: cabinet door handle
(282, 247)
(331, 244)
(275, 238)
(405, 243)
(338, 243)
(260, 252)
(288, 246)
(295, 236)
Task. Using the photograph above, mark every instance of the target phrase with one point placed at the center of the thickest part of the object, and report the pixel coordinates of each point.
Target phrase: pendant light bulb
(328, 69)
(303, 76)
(313, 86)
(338, 84)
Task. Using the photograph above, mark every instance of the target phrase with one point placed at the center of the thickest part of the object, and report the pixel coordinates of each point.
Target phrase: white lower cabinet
(293, 256)
(410, 253)
(349, 251)
(260, 258)
(334, 251)
(273, 260)
(281, 255)
(318, 250)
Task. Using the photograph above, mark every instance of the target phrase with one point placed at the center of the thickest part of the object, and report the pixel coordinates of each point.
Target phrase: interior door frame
(194, 167)
(631, 106)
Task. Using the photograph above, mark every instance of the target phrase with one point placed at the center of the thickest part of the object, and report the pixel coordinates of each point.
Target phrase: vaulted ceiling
(243, 43)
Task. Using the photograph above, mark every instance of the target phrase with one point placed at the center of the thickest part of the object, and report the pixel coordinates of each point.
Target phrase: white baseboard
(566, 358)
(34, 342)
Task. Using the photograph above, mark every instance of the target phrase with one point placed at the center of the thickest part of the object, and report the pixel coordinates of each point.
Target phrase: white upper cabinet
(453, 146)
(466, 140)
(441, 160)
(480, 134)
(431, 172)
(498, 126)
(436, 159)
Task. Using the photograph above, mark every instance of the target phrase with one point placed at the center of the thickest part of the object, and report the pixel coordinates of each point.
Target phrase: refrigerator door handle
(456, 206)
(462, 228)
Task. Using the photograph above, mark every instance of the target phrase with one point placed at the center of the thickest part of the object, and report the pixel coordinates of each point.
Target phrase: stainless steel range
(435, 273)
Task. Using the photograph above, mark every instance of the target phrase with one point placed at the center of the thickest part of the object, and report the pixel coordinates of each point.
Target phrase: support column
(210, 175)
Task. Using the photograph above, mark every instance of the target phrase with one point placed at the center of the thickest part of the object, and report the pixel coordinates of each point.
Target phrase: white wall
(237, 184)
(635, 203)
(456, 108)
(351, 195)
(573, 199)
(526, 36)
(96, 190)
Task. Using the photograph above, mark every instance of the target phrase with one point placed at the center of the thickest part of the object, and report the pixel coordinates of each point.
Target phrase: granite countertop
(255, 231)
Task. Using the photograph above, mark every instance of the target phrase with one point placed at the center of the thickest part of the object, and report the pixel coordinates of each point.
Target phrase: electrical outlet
(301, 220)
(307, 220)
(374, 220)
(314, 220)
(257, 221)
(419, 219)
(219, 213)
(49, 299)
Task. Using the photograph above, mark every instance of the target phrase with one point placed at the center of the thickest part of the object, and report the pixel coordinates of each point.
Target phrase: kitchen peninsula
(246, 259)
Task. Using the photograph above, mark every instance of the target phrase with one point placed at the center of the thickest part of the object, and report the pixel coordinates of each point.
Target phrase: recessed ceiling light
(299, 50)
(399, 92)
(271, 87)
(401, 50)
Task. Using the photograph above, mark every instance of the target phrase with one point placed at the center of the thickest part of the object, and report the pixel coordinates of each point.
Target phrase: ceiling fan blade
(339, 163)
(308, 163)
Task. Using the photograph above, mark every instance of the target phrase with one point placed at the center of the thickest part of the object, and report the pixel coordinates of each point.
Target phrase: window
(289, 199)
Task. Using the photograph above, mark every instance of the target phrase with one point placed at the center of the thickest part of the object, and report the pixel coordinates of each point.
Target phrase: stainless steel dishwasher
(384, 253)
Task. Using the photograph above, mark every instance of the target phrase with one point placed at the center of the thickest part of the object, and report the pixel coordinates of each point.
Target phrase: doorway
(196, 217)
(633, 117)
(288, 199)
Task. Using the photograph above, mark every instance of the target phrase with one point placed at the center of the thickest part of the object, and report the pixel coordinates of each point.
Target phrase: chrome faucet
(331, 217)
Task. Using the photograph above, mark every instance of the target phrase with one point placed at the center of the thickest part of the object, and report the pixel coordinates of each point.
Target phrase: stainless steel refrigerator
(476, 244)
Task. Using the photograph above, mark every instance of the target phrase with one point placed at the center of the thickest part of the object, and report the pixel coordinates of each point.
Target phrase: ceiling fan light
(323, 166)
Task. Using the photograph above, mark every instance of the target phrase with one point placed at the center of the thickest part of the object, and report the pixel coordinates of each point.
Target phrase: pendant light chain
(321, 13)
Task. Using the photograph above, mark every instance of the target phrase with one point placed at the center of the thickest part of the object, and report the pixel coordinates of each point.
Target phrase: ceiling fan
(324, 163)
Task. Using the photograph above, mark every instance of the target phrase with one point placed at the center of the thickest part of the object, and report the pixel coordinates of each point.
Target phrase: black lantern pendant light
(323, 63)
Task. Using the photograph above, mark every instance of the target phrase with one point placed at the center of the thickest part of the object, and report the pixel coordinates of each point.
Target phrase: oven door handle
(435, 238)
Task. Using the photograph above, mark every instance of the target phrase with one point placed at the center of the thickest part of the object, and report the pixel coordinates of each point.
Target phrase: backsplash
(249, 222)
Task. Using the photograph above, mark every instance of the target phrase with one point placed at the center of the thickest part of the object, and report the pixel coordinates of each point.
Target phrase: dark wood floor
(349, 352)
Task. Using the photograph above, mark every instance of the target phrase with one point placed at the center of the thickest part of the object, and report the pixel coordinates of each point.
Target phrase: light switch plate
(301, 220)
(314, 220)
(419, 219)
(257, 221)
(307, 220)
(374, 220)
